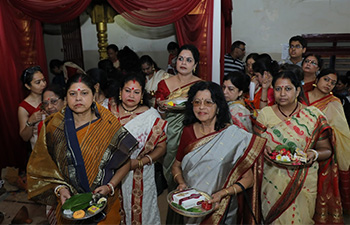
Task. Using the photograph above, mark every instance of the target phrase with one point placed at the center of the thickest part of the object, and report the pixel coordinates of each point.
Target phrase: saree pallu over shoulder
(216, 162)
(138, 187)
(284, 190)
(51, 164)
(181, 91)
(173, 133)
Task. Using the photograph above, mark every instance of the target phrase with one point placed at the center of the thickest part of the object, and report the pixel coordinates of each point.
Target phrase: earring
(194, 70)
(331, 93)
(153, 68)
(314, 85)
(141, 101)
(217, 112)
(120, 97)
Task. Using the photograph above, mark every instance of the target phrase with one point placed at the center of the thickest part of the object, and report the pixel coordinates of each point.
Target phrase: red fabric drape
(52, 11)
(193, 21)
(197, 29)
(21, 46)
(226, 23)
(153, 13)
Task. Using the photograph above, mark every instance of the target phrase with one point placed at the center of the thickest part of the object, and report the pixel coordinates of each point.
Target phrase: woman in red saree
(322, 98)
(298, 195)
(173, 88)
(29, 111)
(214, 156)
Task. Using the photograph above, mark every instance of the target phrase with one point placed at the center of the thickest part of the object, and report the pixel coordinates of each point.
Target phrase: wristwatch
(28, 124)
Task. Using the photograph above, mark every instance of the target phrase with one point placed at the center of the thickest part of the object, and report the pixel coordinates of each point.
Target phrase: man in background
(233, 60)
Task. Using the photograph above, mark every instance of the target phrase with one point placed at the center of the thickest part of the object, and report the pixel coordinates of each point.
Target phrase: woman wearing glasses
(214, 156)
(53, 100)
(29, 111)
(322, 97)
(311, 65)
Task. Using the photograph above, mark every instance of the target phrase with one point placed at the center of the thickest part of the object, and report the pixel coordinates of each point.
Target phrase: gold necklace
(129, 111)
(201, 130)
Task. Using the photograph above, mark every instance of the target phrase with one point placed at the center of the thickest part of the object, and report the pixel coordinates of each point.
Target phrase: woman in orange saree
(322, 98)
(79, 150)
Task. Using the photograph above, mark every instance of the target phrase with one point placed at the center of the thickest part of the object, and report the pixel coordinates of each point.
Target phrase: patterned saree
(303, 195)
(217, 161)
(139, 192)
(81, 159)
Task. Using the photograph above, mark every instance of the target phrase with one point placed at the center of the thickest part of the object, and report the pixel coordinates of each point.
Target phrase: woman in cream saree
(309, 193)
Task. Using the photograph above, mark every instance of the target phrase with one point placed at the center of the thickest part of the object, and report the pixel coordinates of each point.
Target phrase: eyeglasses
(206, 102)
(295, 46)
(242, 49)
(188, 59)
(52, 101)
(311, 62)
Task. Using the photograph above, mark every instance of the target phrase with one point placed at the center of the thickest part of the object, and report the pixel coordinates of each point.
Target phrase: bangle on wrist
(29, 124)
(58, 189)
(176, 176)
(159, 110)
(150, 159)
(140, 164)
(234, 189)
(111, 188)
(227, 193)
(316, 154)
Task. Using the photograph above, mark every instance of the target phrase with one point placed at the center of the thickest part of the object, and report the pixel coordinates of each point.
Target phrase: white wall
(266, 24)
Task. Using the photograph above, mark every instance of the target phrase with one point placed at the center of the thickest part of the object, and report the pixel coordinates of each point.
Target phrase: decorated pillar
(101, 14)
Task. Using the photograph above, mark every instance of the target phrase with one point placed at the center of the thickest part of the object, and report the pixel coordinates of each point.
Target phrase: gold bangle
(176, 176)
(235, 190)
(227, 193)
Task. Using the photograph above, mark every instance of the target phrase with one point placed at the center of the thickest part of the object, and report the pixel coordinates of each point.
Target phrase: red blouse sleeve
(187, 137)
(162, 91)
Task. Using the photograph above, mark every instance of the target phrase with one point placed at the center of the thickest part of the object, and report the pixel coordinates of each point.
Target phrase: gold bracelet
(140, 164)
(57, 190)
(176, 176)
(227, 193)
(235, 190)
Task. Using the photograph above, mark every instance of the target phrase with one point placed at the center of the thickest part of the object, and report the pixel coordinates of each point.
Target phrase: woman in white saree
(139, 193)
(214, 156)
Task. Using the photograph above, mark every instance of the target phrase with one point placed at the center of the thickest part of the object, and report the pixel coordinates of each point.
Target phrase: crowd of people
(105, 130)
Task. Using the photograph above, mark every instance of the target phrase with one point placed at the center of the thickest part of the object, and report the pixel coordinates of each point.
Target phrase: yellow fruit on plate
(79, 214)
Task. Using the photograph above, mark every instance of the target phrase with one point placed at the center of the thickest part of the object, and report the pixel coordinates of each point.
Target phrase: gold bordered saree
(139, 192)
(218, 161)
(55, 160)
(304, 195)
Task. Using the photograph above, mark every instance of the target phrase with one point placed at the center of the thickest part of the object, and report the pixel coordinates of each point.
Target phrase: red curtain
(197, 28)
(153, 13)
(21, 46)
(226, 39)
(193, 22)
(52, 11)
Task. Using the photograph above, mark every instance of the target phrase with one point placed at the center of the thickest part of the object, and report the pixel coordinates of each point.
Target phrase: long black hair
(223, 116)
